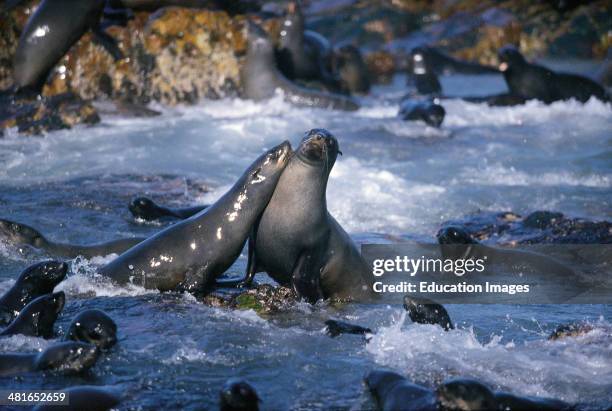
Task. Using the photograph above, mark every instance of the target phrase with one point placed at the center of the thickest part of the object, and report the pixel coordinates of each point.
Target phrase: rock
(570, 330)
(381, 66)
(175, 55)
(51, 113)
(264, 299)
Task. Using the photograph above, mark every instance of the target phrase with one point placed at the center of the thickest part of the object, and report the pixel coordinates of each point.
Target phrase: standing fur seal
(21, 234)
(425, 80)
(428, 111)
(146, 209)
(352, 70)
(532, 81)
(195, 251)
(36, 280)
(297, 242)
(93, 327)
(38, 317)
(48, 35)
(303, 54)
(425, 311)
(440, 63)
(261, 78)
(238, 395)
(65, 357)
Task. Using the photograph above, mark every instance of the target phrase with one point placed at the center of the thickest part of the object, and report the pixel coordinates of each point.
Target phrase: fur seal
(428, 111)
(303, 54)
(238, 395)
(465, 394)
(425, 80)
(533, 81)
(455, 242)
(146, 209)
(17, 233)
(36, 280)
(85, 397)
(93, 327)
(297, 242)
(425, 311)
(261, 78)
(439, 63)
(48, 35)
(38, 317)
(394, 392)
(195, 251)
(334, 328)
(65, 357)
(351, 70)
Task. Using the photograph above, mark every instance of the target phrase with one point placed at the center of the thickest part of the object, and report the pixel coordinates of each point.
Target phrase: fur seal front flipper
(262, 79)
(191, 254)
(35, 281)
(21, 234)
(146, 209)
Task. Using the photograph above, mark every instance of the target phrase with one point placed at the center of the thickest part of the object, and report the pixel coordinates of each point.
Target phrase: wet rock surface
(539, 227)
(264, 299)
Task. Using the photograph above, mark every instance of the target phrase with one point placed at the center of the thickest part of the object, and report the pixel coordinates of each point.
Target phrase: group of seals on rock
(394, 392)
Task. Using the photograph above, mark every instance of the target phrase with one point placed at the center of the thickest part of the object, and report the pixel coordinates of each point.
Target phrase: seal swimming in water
(334, 328)
(425, 311)
(428, 111)
(533, 81)
(38, 317)
(93, 327)
(238, 395)
(85, 397)
(66, 357)
(394, 392)
(193, 252)
(48, 35)
(146, 209)
(261, 78)
(17, 233)
(36, 280)
(297, 242)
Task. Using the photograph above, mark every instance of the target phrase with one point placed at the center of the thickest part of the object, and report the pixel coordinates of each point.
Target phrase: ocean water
(394, 179)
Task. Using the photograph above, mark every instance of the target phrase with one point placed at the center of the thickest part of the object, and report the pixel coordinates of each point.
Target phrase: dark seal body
(297, 241)
(38, 317)
(425, 311)
(533, 81)
(36, 280)
(93, 327)
(428, 111)
(262, 79)
(85, 397)
(195, 251)
(352, 70)
(394, 392)
(21, 234)
(65, 357)
(50, 32)
(238, 395)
